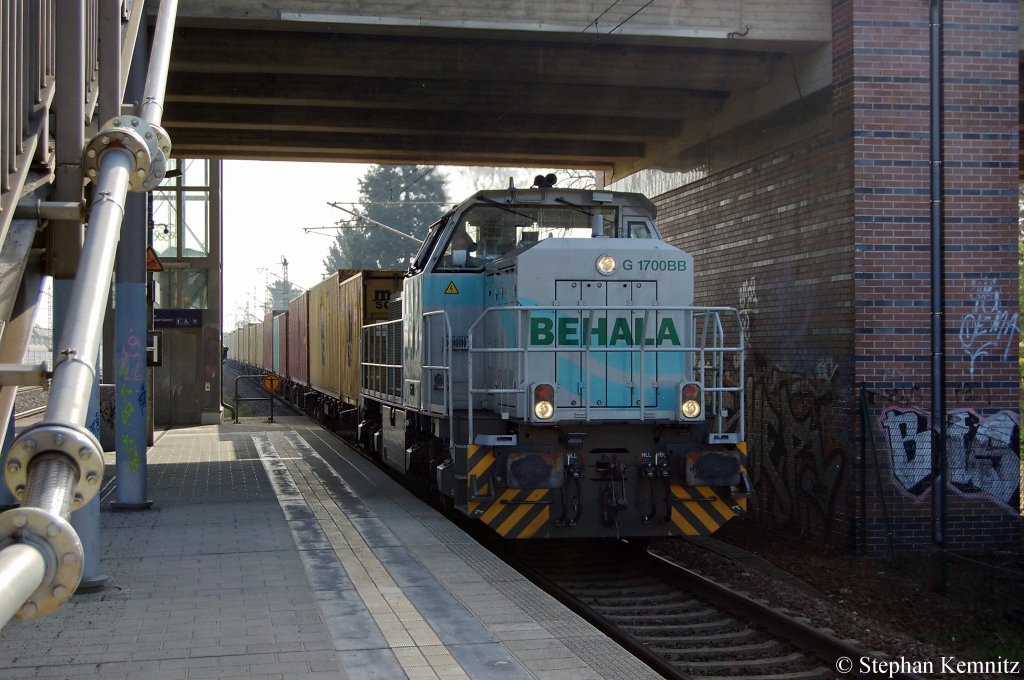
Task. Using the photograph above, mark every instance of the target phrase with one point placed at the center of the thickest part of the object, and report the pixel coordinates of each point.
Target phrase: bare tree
(498, 178)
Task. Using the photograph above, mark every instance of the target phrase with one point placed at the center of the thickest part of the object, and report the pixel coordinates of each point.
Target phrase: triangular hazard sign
(152, 261)
(451, 289)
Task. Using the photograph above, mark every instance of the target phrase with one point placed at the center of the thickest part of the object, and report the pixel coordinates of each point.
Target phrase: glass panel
(194, 289)
(195, 173)
(165, 223)
(181, 289)
(486, 233)
(196, 224)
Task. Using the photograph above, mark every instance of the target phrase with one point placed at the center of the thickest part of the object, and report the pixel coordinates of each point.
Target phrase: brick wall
(825, 246)
(891, 141)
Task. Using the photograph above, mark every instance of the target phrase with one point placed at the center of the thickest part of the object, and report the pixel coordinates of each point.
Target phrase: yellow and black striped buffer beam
(703, 510)
(512, 513)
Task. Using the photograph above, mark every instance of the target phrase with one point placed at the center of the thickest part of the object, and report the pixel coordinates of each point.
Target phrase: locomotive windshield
(487, 232)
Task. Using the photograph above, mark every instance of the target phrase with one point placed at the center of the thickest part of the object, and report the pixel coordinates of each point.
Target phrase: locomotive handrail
(709, 317)
(446, 351)
(448, 406)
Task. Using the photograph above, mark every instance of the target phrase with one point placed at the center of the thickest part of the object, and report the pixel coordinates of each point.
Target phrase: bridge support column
(130, 416)
(130, 325)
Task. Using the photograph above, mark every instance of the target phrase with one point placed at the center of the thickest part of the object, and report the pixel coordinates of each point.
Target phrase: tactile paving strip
(402, 626)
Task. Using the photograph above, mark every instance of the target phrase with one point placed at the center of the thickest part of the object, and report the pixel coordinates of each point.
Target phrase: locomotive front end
(599, 400)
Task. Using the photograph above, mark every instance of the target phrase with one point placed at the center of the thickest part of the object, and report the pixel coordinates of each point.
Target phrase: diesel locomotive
(541, 366)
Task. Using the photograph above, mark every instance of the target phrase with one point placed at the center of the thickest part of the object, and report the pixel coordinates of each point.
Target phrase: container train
(540, 366)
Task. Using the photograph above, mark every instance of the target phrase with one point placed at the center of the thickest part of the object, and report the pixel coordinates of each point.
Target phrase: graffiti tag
(988, 328)
(981, 453)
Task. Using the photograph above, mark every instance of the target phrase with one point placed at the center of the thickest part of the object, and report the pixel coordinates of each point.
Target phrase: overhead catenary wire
(373, 221)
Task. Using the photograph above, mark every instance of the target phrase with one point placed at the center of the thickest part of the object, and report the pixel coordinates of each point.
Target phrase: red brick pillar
(883, 47)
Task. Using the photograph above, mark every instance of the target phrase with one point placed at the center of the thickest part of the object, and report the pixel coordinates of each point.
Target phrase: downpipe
(56, 466)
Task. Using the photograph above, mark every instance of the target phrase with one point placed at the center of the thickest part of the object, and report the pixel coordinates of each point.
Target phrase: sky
(267, 207)
(269, 204)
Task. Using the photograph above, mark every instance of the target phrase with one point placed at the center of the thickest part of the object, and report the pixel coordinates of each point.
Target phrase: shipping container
(267, 358)
(324, 337)
(364, 300)
(280, 353)
(254, 357)
(243, 344)
(298, 340)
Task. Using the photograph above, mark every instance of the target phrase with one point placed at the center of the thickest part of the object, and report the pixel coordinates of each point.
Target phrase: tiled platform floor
(273, 551)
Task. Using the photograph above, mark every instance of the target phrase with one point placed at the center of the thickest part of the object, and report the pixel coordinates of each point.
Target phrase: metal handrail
(26, 88)
(56, 466)
(425, 368)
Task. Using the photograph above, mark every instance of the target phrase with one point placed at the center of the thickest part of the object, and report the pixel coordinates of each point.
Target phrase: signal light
(543, 401)
(690, 407)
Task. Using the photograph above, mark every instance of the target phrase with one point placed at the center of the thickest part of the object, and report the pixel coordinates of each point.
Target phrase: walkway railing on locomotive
(378, 362)
(380, 376)
(707, 360)
(718, 363)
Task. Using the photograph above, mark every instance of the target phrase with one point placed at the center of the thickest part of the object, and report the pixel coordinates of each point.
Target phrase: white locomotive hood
(594, 272)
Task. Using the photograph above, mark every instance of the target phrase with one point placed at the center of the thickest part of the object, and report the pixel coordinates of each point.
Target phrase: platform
(275, 551)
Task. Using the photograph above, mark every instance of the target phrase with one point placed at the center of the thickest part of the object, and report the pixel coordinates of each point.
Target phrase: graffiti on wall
(989, 328)
(801, 458)
(981, 453)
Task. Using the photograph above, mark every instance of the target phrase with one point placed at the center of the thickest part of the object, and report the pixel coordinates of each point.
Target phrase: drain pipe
(56, 466)
(938, 372)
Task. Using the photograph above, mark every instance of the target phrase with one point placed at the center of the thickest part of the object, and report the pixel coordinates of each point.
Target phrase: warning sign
(271, 382)
(451, 289)
(153, 263)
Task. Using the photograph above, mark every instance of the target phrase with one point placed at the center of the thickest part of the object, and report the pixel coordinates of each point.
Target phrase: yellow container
(364, 300)
(324, 337)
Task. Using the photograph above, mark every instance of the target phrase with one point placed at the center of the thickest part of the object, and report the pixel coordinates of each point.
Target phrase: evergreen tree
(279, 294)
(406, 197)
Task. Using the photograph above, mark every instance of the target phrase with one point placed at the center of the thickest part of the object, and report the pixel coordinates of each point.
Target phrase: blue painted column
(130, 326)
(130, 359)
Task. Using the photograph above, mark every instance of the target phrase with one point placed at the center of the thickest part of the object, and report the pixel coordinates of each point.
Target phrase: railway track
(681, 624)
(249, 388)
(30, 401)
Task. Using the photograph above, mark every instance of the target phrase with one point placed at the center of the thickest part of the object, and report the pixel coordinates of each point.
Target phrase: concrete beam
(797, 95)
(418, 95)
(806, 21)
(485, 59)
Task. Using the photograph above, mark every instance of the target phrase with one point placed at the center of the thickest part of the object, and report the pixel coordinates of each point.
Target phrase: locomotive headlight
(543, 401)
(606, 265)
(690, 401)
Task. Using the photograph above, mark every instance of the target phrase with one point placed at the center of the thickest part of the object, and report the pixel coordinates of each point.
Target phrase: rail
(56, 466)
(702, 359)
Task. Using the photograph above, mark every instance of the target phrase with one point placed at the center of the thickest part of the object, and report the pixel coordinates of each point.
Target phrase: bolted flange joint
(78, 444)
(148, 144)
(62, 552)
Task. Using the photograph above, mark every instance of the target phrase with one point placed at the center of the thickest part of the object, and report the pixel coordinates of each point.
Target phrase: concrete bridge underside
(631, 86)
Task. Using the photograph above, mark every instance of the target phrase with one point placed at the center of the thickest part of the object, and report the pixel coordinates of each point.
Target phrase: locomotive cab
(556, 379)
